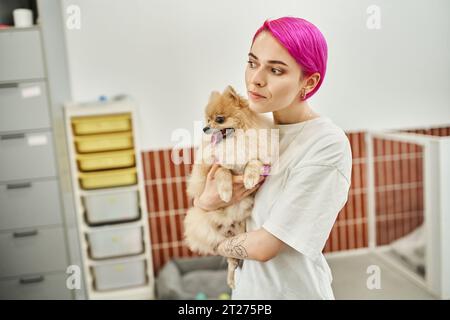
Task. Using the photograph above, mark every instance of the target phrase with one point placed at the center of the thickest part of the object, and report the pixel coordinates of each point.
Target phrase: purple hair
(304, 42)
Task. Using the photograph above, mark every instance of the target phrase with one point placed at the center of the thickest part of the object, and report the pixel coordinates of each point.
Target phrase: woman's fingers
(238, 179)
(240, 192)
(249, 191)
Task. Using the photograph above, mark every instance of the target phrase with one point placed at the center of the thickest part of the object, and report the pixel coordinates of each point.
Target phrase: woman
(296, 207)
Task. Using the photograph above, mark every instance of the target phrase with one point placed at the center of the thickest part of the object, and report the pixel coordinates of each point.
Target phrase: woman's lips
(255, 96)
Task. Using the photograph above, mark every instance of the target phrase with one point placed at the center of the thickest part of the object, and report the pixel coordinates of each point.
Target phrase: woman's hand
(209, 200)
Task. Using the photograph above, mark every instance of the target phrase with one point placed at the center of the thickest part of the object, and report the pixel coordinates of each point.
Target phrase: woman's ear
(312, 81)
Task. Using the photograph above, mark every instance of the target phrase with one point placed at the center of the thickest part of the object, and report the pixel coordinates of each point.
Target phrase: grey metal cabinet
(21, 57)
(31, 250)
(33, 247)
(24, 106)
(36, 286)
(26, 155)
(31, 203)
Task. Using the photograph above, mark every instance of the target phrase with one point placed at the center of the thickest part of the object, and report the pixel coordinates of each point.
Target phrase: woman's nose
(258, 79)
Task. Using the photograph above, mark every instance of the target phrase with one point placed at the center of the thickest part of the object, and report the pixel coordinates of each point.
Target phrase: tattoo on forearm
(234, 247)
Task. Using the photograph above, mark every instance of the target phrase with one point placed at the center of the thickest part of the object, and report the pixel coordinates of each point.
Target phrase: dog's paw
(250, 179)
(232, 265)
(225, 189)
(225, 194)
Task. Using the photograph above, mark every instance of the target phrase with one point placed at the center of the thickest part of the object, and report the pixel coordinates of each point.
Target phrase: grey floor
(350, 280)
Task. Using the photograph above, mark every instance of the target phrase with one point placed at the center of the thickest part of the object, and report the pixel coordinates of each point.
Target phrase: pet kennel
(428, 236)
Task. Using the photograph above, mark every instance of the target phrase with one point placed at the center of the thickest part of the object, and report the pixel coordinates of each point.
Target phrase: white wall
(170, 54)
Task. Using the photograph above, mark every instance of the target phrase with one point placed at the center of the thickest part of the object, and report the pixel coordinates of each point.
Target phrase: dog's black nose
(206, 129)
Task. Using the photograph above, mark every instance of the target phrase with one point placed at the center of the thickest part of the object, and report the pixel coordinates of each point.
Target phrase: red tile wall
(350, 228)
(398, 187)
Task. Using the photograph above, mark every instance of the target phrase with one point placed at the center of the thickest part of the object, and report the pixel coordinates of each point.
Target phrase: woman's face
(272, 73)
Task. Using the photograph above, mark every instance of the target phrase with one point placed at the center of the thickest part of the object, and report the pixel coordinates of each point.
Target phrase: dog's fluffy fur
(204, 230)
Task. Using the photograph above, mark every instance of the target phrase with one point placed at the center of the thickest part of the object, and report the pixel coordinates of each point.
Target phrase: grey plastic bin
(184, 278)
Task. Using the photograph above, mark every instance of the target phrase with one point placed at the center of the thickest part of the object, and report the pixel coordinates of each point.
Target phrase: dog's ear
(214, 95)
(230, 92)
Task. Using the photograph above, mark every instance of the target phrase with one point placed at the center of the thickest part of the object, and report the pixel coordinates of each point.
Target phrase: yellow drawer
(106, 160)
(104, 142)
(101, 124)
(108, 179)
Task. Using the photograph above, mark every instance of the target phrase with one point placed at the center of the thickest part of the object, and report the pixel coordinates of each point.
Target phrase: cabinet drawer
(115, 242)
(31, 251)
(111, 207)
(104, 142)
(23, 106)
(101, 124)
(26, 156)
(106, 160)
(40, 286)
(29, 204)
(21, 56)
(119, 275)
(108, 178)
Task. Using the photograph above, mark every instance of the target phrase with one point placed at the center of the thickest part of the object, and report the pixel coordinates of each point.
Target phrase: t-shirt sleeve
(305, 211)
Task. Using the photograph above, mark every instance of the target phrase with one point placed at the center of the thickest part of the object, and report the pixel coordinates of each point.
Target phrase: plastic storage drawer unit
(119, 275)
(108, 178)
(104, 142)
(106, 160)
(101, 124)
(111, 207)
(115, 242)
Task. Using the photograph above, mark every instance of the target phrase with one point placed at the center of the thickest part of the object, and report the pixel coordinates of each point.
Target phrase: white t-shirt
(299, 205)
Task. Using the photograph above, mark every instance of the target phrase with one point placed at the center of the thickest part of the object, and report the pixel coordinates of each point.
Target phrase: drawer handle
(18, 185)
(9, 85)
(13, 136)
(25, 234)
(29, 280)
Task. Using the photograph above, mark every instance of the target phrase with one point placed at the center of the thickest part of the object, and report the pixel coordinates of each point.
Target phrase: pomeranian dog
(239, 139)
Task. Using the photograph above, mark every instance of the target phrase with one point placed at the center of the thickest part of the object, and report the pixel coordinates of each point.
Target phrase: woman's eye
(277, 71)
(251, 64)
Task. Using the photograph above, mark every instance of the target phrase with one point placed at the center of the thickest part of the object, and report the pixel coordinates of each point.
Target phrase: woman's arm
(258, 245)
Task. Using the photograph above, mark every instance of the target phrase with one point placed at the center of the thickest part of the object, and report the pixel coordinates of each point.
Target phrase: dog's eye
(220, 119)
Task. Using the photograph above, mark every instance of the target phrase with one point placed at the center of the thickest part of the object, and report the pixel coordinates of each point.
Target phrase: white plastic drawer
(26, 156)
(119, 275)
(29, 204)
(111, 207)
(23, 106)
(38, 286)
(31, 251)
(21, 55)
(115, 242)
